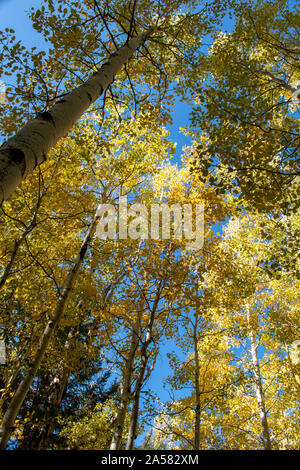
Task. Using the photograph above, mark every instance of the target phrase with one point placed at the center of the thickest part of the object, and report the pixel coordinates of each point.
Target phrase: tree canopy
(123, 257)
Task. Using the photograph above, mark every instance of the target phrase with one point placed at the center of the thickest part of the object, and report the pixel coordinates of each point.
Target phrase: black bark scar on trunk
(46, 116)
(17, 156)
(83, 251)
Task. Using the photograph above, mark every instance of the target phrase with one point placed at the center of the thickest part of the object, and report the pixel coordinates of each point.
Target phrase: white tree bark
(197, 387)
(260, 396)
(20, 155)
(125, 386)
(141, 375)
(138, 385)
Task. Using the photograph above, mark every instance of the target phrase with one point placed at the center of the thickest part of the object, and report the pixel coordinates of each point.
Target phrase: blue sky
(13, 15)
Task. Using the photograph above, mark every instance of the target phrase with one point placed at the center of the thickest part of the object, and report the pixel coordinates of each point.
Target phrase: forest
(126, 333)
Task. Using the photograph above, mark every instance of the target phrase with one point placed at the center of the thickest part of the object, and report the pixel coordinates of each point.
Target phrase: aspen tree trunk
(29, 147)
(259, 387)
(140, 380)
(135, 410)
(125, 385)
(13, 255)
(136, 394)
(11, 413)
(197, 389)
(134, 420)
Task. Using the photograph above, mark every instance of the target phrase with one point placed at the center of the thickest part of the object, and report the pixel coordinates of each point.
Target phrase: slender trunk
(12, 411)
(30, 146)
(134, 421)
(197, 389)
(137, 391)
(259, 387)
(260, 397)
(132, 431)
(125, 388)
(141, 377)
(13, 255)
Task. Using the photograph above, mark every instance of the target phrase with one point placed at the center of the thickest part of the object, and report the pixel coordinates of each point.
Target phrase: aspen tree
(27, 149)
